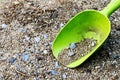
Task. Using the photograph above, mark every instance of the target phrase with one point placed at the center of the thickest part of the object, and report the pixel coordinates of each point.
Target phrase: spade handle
(111, 7)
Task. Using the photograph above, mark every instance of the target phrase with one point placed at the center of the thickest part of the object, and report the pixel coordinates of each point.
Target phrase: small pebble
(25, 57)
(97, 67)
(3, 58)
(46, 44)
(51, 43)
(71, 54)
(57, 64)
(114, 62)
(92, 44)
(45, 51)
(72, 46)
(1, 53)
(24, 30)
(4, 26)
(45, 36)
(64, 76)
(61, 25)
(12, 60)
(53, 72)
(114, 55)
(37, 39)
(36, 78)
(16, 2)
(110, 53)
(55, 28)
(104, 0)
(27, 38)
(16, 76)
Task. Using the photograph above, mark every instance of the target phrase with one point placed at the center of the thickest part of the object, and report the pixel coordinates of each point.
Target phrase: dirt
(27, 30)
(76, 51)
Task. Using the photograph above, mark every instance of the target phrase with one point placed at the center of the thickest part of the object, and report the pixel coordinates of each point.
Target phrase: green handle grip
(111, 7)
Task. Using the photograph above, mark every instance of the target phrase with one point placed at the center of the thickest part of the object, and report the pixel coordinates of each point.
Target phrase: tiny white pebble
(55, 27)
(37, 39)
(61, 24)
(45, 36)
(27, 38)
(4, 26)
(110, 53)
(115, 19)
(114, 62)
(71, 54)
(45, 51)
(92, 44)
(65, 68)
(51, 43)
(50, 2)
(1, 53)
(46, 44)
(82, 54)
(25, 56)
(105, 0)
(97, 67)
(16, 2)
(64, 76)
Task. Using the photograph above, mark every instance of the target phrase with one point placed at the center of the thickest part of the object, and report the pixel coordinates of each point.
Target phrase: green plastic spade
(86, 24)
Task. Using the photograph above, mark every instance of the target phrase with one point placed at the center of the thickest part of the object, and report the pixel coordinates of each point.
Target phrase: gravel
(30, 19)
(76, 51)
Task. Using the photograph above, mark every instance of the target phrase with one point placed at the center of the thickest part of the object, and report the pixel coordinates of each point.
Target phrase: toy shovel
(86, 24)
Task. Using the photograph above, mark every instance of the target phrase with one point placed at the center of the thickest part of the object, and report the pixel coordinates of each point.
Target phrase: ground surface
(27, 30)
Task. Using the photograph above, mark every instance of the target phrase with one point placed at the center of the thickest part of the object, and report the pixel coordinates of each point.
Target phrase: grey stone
(45, 36)
(37, 39)
(71, 54)
(25, 56)
(64, 76)
(72, 46)
(57, 64)
(53, 72)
